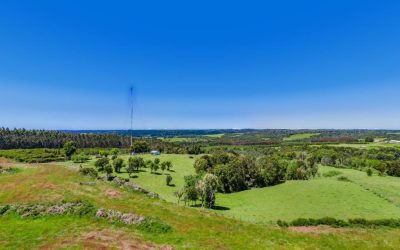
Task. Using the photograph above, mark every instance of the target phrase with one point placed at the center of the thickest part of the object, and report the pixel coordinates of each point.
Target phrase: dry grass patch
(105, 239)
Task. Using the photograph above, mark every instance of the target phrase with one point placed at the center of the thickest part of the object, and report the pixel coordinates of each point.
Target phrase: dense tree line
(27, 139)
(384, 160)
(22, 138)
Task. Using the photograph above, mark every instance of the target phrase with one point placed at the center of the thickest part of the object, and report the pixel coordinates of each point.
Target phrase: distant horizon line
(166, 129)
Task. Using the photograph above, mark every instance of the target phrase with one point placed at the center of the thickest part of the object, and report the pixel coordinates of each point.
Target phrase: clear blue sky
(200, 64)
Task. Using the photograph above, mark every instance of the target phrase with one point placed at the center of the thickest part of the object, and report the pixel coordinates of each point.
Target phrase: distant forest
(23, 138)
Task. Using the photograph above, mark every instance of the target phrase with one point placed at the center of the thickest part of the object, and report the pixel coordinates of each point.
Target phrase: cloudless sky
(200, 64)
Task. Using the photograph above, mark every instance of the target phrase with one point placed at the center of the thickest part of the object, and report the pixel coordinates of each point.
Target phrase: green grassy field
(307, 199)
(215, 135)
(387, 187)
(191, 228)
(300, 136)
(368, 197)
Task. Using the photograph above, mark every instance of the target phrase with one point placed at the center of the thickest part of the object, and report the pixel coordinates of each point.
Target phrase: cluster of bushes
(237, 172)
(37, 155)
(328, 221)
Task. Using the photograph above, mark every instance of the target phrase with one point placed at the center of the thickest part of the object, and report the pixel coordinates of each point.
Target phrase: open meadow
(358, 196)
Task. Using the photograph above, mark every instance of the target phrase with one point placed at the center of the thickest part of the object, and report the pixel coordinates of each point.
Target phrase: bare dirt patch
(106, 239)
(5, 162)
(113, 193)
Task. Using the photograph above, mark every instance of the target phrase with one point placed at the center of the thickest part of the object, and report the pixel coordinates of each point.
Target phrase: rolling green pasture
(368, 197)
(307, 199)
(387, 187)
(301, 136)
(191, 228)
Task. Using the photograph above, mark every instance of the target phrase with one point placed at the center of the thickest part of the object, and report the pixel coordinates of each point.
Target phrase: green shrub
(282, 223)
(101, 163)
(80, 158)
(85, 208)
(89, 171)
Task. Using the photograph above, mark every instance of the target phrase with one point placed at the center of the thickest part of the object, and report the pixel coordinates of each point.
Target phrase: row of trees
(132, 166)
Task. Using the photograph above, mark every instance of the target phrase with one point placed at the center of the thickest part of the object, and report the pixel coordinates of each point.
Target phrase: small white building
(394, 141)
(155, 152)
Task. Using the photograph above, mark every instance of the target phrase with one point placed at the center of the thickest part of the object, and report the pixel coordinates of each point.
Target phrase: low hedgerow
(329, 221)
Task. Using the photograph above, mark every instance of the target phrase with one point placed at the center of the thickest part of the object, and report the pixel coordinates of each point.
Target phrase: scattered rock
(135, 187)
(152, 195)
(126, 218)
(119, 181)
(26, 210)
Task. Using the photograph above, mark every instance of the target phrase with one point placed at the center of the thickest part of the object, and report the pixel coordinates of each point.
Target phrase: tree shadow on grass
(171, 185)
(220, 208)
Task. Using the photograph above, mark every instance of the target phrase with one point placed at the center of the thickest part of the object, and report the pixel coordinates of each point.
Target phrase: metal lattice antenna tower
(131, 132)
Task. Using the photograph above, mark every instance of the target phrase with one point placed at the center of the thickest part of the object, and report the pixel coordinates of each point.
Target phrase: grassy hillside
(368, 197)
(191, 228)
(307, 199)
(182, 165)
